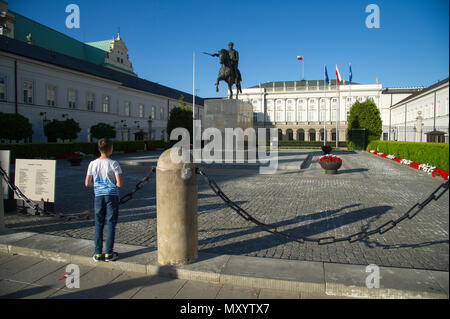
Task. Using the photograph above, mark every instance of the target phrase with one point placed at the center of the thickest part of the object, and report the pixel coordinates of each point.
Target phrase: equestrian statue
(229, 71)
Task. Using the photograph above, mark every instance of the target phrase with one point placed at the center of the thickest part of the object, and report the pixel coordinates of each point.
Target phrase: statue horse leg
(230, 89)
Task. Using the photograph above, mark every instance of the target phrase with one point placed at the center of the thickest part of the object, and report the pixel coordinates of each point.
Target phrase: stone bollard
(176, 211)
(2, 211)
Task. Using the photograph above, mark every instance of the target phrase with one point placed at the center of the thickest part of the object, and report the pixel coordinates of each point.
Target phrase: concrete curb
(340, 280)
(306, 161)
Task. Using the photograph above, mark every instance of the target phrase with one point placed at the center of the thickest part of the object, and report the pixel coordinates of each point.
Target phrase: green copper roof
(45, 37)
(102, 45)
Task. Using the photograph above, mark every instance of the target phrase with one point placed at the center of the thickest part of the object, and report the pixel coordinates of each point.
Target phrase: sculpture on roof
(229, 71)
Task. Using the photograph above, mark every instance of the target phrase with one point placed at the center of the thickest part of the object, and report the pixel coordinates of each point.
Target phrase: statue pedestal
(228, 113)
(225, 113)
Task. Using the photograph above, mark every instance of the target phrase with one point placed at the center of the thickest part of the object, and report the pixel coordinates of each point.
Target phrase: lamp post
(150, 120)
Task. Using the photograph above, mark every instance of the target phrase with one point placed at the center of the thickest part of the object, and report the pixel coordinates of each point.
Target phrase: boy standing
(106, 177)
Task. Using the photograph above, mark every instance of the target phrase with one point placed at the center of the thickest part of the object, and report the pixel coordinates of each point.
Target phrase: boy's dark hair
(104, 145)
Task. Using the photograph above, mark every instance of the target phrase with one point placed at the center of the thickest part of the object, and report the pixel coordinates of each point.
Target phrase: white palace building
(46, 75)
(301, 110)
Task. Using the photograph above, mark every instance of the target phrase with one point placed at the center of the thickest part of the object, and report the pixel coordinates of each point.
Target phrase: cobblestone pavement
(367, 192)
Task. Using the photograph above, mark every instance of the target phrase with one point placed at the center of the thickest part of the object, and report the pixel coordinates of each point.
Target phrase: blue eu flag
(350, 74)
(326, 75)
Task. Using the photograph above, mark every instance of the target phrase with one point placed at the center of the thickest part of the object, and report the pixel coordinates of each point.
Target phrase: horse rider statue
(229, 71)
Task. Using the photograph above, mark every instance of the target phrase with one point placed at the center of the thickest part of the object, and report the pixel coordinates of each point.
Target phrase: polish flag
(338, 75)
(300, 58)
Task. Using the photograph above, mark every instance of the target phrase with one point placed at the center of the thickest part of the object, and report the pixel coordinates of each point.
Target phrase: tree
(65, 130)
(363, 115)
(15, 127)
(180, 117)
(103, 130)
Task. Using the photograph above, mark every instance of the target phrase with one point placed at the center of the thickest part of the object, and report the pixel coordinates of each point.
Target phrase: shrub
(305, 144)
(65, 130)
(103, 130)
(14, 127)
(434, 154)
(180, 117)
(363, 115)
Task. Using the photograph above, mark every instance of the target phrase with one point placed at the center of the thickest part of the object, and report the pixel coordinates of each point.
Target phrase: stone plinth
(223, 113)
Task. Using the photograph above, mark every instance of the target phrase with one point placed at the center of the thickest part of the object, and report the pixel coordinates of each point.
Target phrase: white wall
(42, 74)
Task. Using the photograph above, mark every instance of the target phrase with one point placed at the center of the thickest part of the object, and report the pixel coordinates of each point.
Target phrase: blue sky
(410, 48)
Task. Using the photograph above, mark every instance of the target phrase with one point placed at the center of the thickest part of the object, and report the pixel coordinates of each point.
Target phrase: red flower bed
(330, 158)
(440, 172)
(415, 165)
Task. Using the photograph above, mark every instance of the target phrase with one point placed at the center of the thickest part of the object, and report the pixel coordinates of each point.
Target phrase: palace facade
(306, 110)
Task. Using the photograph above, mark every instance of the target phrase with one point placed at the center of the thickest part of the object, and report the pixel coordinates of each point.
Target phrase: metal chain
(41, 211)
(413, 211)
(138, 186)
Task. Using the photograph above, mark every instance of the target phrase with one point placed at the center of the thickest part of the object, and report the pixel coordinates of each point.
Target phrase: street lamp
(150, 120)
(45, 120)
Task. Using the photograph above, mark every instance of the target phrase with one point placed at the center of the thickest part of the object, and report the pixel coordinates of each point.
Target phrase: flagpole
(193, 103)
(325, 117)
(337, 110)
(350, 86)
(303, 68)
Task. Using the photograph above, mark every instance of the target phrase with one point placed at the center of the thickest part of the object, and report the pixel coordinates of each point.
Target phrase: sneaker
(111, 257)
(97, 257)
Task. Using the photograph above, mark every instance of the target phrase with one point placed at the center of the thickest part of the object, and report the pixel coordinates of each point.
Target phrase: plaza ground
(367, 192)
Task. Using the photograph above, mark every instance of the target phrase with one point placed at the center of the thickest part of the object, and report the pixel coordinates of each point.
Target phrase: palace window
(51, 95)
(91, 101)
(127, 108)
(161, 113)
(334, 100)
(153, 112)
(279, 116)
(289, 116)
(141, 110)
(105, 104)
(322, 116)
(300, 117)
(28, 92)
(2, 88)
(72, 98)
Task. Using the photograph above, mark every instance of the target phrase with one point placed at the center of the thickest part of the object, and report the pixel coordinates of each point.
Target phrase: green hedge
(314, 144)
(435, 154)
(48, 150)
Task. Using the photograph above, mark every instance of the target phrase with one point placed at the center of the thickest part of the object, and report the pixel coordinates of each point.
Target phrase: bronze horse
(227, 74)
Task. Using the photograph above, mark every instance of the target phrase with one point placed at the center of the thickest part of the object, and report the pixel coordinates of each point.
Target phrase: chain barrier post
(176, 211)
(2, 211)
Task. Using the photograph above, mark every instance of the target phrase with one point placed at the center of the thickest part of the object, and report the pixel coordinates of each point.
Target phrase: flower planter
(330, 163)
(330, 167)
